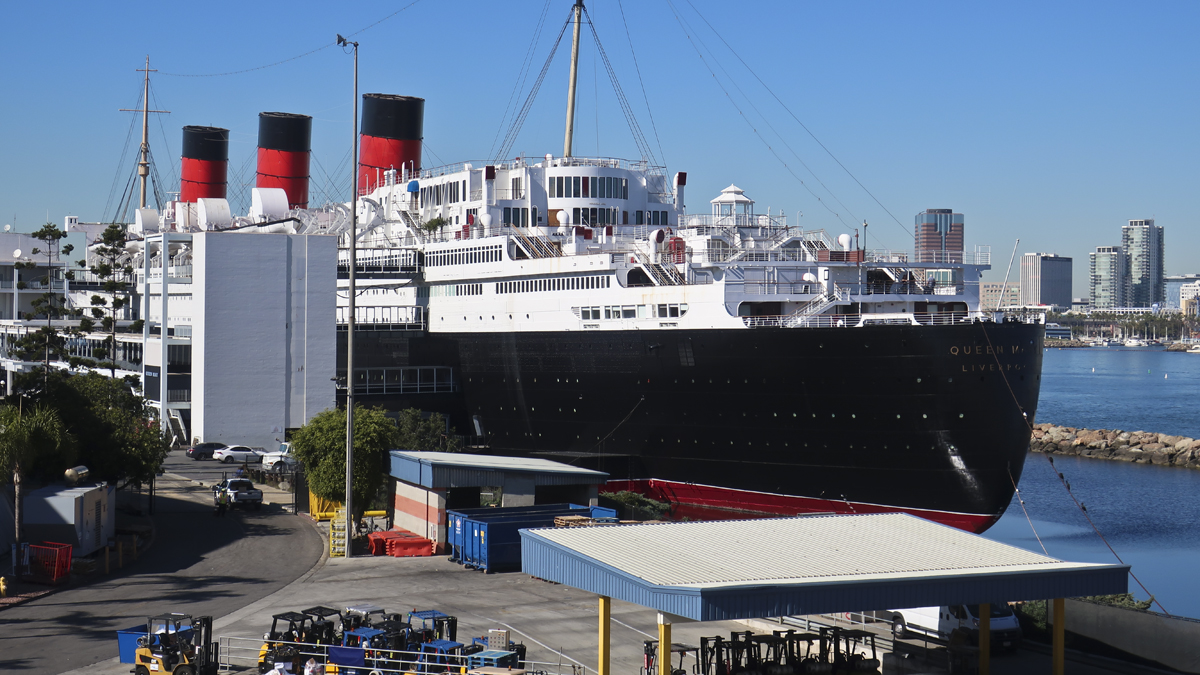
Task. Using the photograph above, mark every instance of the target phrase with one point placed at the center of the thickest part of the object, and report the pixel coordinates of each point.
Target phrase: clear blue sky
(1051, 122)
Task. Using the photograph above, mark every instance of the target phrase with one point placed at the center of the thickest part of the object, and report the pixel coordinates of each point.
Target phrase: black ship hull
(930, 419)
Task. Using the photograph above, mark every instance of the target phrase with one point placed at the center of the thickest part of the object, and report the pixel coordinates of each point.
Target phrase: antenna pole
(574, 77)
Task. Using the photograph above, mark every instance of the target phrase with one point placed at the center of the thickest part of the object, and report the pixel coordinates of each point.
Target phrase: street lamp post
(343, 42)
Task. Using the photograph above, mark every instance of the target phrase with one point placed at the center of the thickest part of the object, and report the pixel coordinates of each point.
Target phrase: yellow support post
(1058, 650)
(985, 638)
(605, 628)
(664, 646)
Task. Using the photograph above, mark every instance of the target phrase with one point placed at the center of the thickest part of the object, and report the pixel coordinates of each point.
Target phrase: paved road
(206, 471)
(198, 564)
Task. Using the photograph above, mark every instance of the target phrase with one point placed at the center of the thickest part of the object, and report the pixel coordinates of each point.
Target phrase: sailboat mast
(574, 77)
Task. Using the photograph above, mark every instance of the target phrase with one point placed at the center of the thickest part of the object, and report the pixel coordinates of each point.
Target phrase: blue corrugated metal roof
(788, 566)
(454, 469)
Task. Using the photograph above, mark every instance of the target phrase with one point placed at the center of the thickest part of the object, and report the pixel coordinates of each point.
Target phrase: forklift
(435, 625)
(325, 630)
(287, 628)
(176, 644)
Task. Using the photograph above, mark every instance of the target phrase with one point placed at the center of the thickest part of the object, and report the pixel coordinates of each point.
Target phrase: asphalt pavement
(198, 563)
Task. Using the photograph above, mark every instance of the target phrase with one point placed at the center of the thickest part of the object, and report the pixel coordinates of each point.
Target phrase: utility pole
(144, 162)
(350, 318)
(574, 77)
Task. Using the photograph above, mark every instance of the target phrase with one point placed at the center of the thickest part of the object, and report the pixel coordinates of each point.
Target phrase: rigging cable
(767, 122)
(299, 56)
(802, 125)
(1080, 506)
(641, 82)
(638, 137)
(112, 194)
(688, 35)
(522, 75)
(515, 128)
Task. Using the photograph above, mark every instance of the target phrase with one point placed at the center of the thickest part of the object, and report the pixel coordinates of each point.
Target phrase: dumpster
(491, 541)
(456, 533)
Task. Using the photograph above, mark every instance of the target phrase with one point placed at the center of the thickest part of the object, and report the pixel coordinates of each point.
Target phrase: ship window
(609, 187)
(587, 191)
(524, 217)
(624, 217)
(575, 186)
(559, 183)
(629, 312)
(637, 218)
(595, 192)
(595, 218)
(624, 188)
(575, 216)
(534, 218)
(507, 218)
(643, 312)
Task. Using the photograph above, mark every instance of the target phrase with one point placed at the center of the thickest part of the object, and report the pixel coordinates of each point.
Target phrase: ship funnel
(284, 142)
(205, 163)
(392, 129)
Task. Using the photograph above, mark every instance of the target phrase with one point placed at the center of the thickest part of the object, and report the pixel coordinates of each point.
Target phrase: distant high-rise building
(1046, 280)
(1142, 243)
(939, 236)
(1173, 284)
(1108, 280)
(994, 294)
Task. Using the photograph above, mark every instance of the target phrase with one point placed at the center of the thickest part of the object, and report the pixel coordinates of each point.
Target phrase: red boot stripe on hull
(708, 502)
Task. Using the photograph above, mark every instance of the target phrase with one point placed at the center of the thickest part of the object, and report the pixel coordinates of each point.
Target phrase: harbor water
(1149, 514)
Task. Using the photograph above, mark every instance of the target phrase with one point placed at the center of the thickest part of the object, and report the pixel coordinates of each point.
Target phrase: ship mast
(144, 162)
(574, 77)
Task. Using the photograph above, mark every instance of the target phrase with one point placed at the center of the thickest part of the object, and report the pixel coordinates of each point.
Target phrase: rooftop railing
(856, 320)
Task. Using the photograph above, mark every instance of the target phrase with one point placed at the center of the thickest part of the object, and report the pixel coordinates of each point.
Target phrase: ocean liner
(575, 308)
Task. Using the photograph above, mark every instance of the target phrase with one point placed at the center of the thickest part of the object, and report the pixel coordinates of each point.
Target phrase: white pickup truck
(241, 493)
(939, 622)
(280, 460)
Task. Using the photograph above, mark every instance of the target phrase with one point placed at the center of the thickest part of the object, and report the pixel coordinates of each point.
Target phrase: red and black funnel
(392, 129)
(284, 142)
(205, 163)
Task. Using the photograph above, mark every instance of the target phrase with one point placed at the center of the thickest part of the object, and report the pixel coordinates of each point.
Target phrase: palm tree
(24, 439)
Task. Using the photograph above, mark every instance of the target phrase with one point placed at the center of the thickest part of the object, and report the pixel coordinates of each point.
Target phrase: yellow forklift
(176, 644)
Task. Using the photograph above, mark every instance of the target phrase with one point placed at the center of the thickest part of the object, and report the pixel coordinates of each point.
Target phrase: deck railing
(855, 320)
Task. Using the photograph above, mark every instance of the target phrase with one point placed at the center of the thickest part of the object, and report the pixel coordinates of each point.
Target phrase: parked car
(201, 451)
(241, 493)
(280, 461)
(238, 453)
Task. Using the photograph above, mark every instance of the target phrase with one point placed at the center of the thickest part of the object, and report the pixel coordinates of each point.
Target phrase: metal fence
(241, 653)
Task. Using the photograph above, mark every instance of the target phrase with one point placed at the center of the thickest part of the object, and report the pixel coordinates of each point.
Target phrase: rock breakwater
(1141, 447)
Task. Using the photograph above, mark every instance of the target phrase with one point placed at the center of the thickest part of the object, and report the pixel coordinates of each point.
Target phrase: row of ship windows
(518, 216)
(590, 187)
(584, 216)
(448, 193)
(454, 290)
(464, 256)
(559, 284)
(660, 311)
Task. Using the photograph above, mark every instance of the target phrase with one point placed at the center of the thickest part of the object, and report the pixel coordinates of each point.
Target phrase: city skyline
(1050, 175)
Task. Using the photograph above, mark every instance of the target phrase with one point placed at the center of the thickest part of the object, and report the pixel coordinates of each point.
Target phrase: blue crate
(494, 658)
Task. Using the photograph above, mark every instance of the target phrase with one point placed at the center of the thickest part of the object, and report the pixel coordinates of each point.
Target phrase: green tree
(418, 433)
(119, 438)
(112, 268)
(31, 442)
(48, 343)
(321, 446)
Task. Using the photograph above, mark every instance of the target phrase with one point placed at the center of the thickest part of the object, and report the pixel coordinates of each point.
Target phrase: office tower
(1173, 285)
(994, 294)
(1142, 243)
(939, 236)
(1108, 280)
(1046, 280)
